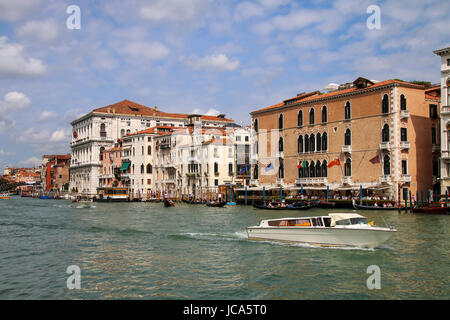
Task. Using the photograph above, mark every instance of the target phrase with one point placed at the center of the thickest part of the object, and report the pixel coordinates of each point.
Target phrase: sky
(206, 56)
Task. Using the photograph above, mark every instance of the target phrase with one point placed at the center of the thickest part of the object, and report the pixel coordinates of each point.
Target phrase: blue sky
(205, 56)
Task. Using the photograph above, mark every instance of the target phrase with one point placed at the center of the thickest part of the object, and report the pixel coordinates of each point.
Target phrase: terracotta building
(380, 136)
(110, 171)
(55, 172)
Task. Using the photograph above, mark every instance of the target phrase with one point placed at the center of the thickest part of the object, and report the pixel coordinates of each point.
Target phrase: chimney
(156, 108)
(221, 116)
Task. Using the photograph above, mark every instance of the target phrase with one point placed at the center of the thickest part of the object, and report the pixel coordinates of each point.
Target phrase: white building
(445, 118)
(102, 127)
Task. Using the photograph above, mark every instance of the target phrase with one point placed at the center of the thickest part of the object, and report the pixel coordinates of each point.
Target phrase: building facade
(373, 135)
(445, 118)
(55, 172)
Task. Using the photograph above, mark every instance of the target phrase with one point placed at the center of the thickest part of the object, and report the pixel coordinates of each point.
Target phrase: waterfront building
(369, 134)
(55, 172)
(101, 128)
(110, 170)
(445, 118)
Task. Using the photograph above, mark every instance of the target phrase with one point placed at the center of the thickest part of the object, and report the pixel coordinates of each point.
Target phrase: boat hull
(322, 236)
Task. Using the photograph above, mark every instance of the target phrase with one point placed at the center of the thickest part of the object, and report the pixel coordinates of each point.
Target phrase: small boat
(335, 229)
(216, 204)
(82, 200)
(231, 203)
(4, 195)
(168, 203)
(323, 204)
(363, 207)
(296, 206)
(192, 202)
(431, 210)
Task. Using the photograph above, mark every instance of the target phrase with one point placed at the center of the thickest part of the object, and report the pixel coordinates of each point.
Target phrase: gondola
(323, 204)
(303, 207)
(362, 207)
(168, 203)
(192, 202)
(216, 204)
(431, 210)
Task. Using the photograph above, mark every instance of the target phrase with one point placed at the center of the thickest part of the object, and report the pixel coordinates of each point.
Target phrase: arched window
(402, 102)
(101, 153)
(149, 168)
(300, 118)
(280, 144)
(324, 169)
(255, 172)
(149, 150)
(385, 133)
(281, 170)
(348, 137)
(347, 110)
(318, 169)
(311, 116)
(319, 141)
(255, 125)
(280, 121)
(307, 142)
(142, 168)
(324, 114)
(300, 144)
(122, 133)
(216, 167)
(324, 141)
(306, 170)
(128, 131)
(312, 170)
(348, 167)
(385, 104)
(312, 143)
(387, 165)
(103, 130)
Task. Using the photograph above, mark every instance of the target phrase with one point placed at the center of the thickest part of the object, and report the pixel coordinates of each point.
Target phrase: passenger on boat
(375, 204)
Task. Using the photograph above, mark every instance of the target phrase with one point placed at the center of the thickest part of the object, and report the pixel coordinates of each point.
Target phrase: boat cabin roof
(334, 216)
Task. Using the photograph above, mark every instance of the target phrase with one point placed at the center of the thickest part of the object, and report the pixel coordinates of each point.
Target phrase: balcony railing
(385, 178)
(405, 178)
(280, 181)
(320, 180)
(405, 144)
(384, 146)
(347, 180)
(254, 182)
(435, 148)
(445, 155)
(346, 148)
(445, 110)
(404, 114)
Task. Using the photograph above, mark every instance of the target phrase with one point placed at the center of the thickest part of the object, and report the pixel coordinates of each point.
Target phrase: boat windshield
(347, 222)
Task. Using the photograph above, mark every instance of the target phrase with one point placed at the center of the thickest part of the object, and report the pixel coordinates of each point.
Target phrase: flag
(375, 159)
(244, 169)
(269, 167)
(335, 162)
(302, 164)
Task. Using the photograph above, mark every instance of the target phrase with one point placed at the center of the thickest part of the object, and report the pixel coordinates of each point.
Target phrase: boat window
(327, 222)
(358, 221)
(302, 223)
(314, 222)
(343, 222)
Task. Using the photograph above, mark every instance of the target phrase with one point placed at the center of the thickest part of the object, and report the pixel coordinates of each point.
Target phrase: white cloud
(45, 31)
(215, 62)
(13, 63)
(14, 101)
(60, 135)
(15, 10)
(173, 10)
(212, 112)
(31, 136)
(5, 153)
(246, 10)
(45, 115)
(29, 163)
(144, 50)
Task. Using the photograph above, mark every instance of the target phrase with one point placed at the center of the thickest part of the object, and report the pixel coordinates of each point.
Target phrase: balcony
(254, 182)
(346, 149)
(280, 181)
(321, 180)
(445, 155)
(385, 179)
(404, 114)
(445, 110)
(384, 146)
(167, 181)
(347, 180)
(435, 148)
(405, 144)
(405, 178)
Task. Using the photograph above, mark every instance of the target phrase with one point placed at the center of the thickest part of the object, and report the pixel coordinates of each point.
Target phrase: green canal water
(146, 251)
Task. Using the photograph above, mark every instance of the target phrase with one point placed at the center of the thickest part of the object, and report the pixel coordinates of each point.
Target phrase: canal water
(146, 251)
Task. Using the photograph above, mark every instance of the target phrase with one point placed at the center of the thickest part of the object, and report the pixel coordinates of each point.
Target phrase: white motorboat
(336, 229)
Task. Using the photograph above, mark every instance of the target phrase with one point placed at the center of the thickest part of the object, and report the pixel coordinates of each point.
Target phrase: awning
(125, 166)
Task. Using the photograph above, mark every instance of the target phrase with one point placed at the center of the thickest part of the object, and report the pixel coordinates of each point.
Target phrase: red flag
(375, 159)
(335, 162)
